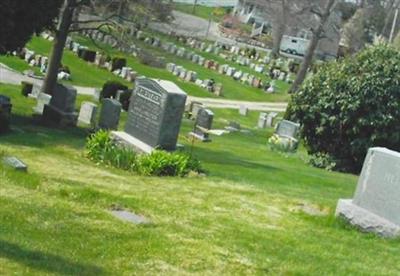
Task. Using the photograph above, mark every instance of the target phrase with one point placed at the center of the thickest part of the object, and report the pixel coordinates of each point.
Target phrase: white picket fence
(211, 3)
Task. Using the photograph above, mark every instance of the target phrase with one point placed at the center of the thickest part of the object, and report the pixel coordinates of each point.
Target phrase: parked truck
(294, 45)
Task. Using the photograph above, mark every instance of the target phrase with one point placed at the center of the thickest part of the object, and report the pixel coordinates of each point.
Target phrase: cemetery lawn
(202, 11)
(257, 211)
(88, 75)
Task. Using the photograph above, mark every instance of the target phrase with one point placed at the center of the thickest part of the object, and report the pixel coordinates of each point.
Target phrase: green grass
(216, 14)
(243, 218)
(18, 64)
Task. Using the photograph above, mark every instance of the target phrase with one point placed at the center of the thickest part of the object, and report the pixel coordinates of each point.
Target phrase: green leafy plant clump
(102, 149)
(350, 106)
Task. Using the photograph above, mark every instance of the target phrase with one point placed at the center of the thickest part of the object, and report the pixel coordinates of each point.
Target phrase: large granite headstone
(61, 109)
(110, 114)
(155, 115)
(203, 124)
(376, 203)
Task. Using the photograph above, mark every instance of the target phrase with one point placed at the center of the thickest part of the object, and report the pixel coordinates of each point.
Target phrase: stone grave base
(365, 220)
(54, 116)
(126, 140)
(200, 137)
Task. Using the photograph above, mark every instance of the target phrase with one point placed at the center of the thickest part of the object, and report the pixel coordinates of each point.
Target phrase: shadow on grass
(228, 159)
(45, 261)
(28, 131)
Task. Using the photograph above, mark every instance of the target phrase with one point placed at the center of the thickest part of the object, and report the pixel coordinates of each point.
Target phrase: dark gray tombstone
(15, 163)
(155, 115)
(110, 114)
(5, 113)
(61, 110)
(203, 124)
(287, 129)
(376, 205)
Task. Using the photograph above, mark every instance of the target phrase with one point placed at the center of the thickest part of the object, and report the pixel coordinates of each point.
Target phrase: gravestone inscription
(155, 113)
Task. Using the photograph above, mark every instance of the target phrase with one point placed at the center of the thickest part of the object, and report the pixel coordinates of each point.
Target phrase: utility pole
(396, 14)
(209, 25)
(194, 7)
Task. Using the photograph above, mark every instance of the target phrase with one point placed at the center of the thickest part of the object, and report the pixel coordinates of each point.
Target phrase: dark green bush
(118, 63)
(162, 163)
(125, 99)
(110, 89)
(26, 88)
(100, 148)
(350, 106)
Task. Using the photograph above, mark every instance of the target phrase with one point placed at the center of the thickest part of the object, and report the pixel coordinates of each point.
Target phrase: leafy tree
(350, 106)
(19, 19)
(106, 14)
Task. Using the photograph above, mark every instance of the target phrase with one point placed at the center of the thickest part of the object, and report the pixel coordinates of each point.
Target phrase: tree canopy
(19, 19)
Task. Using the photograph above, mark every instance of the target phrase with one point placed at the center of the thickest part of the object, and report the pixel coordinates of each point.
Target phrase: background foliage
(350, 106)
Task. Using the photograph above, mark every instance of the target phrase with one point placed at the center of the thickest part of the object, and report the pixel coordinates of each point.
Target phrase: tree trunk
(194, 7)
(65, 21)
(279, 31)
(307, 61)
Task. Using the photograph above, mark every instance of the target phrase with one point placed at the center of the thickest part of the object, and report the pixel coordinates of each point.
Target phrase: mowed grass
(88, 75)
(214, 13)
(244, 218)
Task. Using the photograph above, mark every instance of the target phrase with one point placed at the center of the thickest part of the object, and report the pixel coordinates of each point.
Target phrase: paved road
(232, 104)
(10, 76)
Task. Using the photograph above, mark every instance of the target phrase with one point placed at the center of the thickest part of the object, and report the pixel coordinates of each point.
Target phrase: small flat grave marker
(15, 163)
(130, 217)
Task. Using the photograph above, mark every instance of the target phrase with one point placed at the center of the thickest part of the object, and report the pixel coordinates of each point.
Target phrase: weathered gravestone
(42, 100)
(262, 120)
(376, 203)
(110, 114)
(87, 114)
(5, 113)
(287, 129)
(203, 124)
(61, 109)
(271, 118)
(15, 163)
(286, 134)
(243, 110)
(154, 116)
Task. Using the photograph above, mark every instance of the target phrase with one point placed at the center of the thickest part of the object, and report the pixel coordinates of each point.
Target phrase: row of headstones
(60, 109)
(200, 60)
(191, 76)
(238, 55)
(100, 59)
